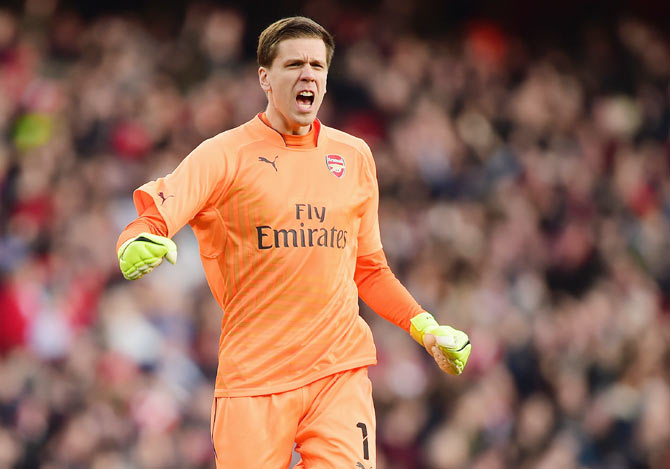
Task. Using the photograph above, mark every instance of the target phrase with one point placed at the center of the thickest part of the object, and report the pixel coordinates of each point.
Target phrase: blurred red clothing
(12, 322)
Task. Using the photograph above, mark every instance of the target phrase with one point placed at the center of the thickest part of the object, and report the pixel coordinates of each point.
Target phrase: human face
(295, 84)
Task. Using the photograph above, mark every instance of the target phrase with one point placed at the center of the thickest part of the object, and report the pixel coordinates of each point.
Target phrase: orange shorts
(331, 421)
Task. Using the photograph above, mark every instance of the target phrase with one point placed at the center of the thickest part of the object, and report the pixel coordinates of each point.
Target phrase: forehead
(312, 48)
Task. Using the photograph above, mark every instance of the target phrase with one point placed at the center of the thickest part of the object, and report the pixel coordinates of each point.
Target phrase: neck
(306, 141)
(281, 125)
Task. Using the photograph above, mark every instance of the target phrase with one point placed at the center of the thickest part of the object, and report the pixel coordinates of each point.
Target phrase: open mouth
(305, 99)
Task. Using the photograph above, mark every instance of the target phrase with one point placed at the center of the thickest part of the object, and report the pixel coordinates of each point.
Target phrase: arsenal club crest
(336, 165)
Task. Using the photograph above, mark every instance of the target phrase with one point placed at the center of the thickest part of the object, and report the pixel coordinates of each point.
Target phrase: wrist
(123, 247)
(422, 324)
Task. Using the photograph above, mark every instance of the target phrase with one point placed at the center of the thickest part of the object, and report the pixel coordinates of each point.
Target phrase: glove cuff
(167, 243)
(123, 247)
(421, 324)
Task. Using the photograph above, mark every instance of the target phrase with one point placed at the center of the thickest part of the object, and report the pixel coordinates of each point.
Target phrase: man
(285, 213)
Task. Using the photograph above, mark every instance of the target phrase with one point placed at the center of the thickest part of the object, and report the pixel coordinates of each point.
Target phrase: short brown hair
(291, 28)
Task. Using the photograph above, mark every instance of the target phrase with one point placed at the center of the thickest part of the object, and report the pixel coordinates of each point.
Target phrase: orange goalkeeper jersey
(279, 225)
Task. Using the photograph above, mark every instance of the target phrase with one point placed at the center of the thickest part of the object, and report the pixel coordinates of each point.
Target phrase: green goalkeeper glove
(139, 255)
(450, 347)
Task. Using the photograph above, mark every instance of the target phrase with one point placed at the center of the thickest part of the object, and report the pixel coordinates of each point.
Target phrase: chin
(305, 119)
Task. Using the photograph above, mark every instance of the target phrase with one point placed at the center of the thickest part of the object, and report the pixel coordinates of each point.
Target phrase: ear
(264, 79)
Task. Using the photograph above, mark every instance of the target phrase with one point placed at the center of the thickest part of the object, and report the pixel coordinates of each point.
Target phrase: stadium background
(522, 151)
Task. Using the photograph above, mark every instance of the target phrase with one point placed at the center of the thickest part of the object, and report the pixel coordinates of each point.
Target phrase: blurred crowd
(525, 198)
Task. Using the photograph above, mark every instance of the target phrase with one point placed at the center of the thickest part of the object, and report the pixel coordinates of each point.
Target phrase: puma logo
(164, 197)
(265, 160)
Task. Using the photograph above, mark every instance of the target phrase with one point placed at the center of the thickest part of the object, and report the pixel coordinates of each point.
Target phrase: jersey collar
(275, 137)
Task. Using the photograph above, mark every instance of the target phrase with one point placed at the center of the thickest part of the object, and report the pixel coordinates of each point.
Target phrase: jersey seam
(225, 233)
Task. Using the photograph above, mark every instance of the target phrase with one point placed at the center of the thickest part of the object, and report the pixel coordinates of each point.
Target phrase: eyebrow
(302, 61)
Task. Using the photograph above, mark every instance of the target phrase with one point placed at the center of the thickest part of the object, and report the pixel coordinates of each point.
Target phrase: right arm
(166, 205)
(148, 221)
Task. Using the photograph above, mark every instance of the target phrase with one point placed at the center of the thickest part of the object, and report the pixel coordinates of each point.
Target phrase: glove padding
(448, 346)
(140, 255)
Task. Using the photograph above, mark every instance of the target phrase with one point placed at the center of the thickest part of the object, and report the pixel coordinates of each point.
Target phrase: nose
(307, 73)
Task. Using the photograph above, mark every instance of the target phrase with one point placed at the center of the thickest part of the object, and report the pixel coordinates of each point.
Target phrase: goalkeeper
(285, 212)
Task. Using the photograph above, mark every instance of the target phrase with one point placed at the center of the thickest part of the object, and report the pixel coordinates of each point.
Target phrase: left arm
(382, 291)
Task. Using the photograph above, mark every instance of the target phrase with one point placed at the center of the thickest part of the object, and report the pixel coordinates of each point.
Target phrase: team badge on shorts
(336, 165)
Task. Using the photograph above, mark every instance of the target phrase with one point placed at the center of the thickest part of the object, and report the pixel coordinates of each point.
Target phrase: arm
(384, 293)
(167, 204)
(149, 221)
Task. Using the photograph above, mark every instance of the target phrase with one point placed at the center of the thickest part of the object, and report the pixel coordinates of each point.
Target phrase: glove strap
(140, 237)
(421, 324)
